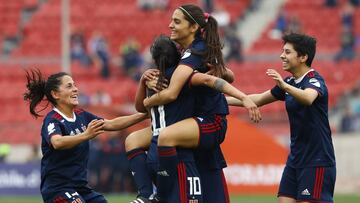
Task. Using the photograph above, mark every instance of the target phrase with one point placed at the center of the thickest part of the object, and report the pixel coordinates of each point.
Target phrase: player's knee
(131, 143)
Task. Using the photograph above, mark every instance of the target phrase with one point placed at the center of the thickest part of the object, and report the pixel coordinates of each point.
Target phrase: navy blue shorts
(187, 187)
(76, 196)
(313, 184)
(214, 186)
(212, 130)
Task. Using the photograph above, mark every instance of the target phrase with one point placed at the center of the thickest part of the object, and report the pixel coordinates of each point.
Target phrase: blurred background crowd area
(108, 49)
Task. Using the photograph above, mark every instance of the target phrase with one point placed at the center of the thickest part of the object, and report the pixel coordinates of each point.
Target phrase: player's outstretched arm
(221, 85)
(123, 122)
(259, 99)
(94, 128)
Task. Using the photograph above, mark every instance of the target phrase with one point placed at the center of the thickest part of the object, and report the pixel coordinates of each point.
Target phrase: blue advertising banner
(20, 179)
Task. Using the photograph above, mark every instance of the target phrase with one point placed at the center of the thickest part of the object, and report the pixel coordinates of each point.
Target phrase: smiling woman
(65, 134)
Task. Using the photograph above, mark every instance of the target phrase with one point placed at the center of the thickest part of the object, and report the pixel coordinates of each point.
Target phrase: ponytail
(35, 90)
(208, 30)
(162, 65)
(213, 54)
(38, 87)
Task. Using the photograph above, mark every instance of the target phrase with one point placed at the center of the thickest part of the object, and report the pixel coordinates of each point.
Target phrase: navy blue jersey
(208, 100)
(165, 115)
(311, 142)
(64, 168)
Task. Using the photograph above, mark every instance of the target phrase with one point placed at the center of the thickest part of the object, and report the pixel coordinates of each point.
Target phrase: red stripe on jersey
(322, 170)
(57, 116)
(211, 130)
(182, 182)
(318, 182)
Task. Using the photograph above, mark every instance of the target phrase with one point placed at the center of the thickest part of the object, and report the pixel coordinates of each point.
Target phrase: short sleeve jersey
(208, 100)
(64, 168)
(165, 115)
(311, 143)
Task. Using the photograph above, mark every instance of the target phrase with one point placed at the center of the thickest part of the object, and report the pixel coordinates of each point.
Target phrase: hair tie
(206, 15)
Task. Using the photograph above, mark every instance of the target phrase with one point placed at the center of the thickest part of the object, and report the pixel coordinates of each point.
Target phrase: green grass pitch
(234, 199)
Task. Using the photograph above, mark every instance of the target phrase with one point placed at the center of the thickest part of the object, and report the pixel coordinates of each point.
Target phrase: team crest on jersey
(314, 82)
(51, 128)
(186, 54)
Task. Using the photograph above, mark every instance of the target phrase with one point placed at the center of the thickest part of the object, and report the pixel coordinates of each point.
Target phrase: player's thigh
(184, 133)
(138, 139)
(283, 199)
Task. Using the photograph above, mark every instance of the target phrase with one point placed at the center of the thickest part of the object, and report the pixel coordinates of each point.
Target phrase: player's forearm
(234, 102)
(163, 97)
(302, 96)
(139, 98)
(259, 99)
(68, 142)
(223, 86)
(122, 122)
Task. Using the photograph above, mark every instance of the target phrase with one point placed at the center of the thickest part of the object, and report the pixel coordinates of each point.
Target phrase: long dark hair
(38, 87)
(165, 55)
(208, 30)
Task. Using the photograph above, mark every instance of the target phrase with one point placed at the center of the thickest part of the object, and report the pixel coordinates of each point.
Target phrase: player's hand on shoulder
(94, 128)
(152, 85)
(150, 74)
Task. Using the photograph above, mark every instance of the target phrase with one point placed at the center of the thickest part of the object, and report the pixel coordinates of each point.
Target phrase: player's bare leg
(286, 200)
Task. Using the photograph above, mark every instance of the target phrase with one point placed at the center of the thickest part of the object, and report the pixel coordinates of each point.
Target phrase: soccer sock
(167, 172)
(138, 167)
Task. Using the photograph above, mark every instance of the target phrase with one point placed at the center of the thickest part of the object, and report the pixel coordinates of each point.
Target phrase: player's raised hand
(94, 128)
(276, 77)
(254, 111)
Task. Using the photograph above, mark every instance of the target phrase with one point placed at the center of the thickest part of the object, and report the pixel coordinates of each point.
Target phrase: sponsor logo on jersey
(186, 54)
(51, 128)
(314, 82)
(200, 119)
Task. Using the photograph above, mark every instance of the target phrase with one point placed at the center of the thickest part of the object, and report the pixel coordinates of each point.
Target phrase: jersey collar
(65, 117)
(297, 81)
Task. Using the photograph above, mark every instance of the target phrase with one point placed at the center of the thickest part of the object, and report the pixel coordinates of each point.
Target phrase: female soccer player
(196, 33)
(310, 171)
(65, 133)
